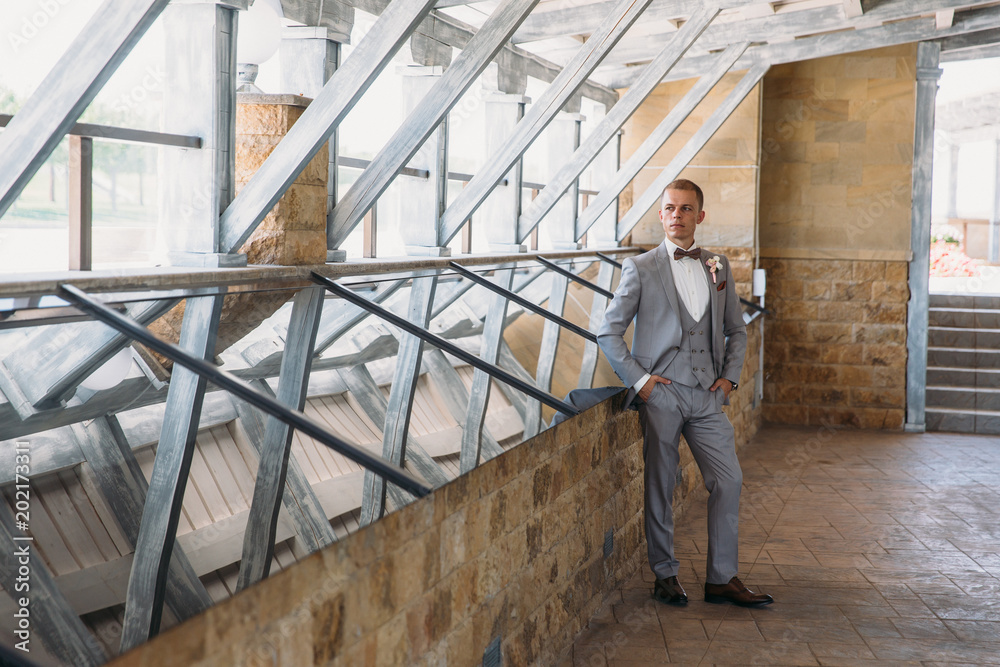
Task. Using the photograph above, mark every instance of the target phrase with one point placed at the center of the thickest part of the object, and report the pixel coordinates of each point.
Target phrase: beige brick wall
(512, 549)
(836, 163)
(837, 155)
(836, 346)
(730, 193)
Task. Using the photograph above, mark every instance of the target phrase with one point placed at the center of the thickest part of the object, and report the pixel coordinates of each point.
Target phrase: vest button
(692, 333)
(700, 332)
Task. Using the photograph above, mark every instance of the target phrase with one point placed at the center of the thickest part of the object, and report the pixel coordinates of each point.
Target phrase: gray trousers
(697, 413)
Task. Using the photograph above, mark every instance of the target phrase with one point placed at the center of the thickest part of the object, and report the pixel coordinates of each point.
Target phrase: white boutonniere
(713, 265)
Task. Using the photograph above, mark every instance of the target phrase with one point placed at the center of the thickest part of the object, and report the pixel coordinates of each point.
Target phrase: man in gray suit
(687, 353)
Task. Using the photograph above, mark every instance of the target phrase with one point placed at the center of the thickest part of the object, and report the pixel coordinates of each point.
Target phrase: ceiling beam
(449, 30)
(427, 115)
(318, 122)
(852, 8)
(821, 46)
(970, 40)
(541, 113)
(651, 194)
(616, 117)
(586, 19)
(784, 27)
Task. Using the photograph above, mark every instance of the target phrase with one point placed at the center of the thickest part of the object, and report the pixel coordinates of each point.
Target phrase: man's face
(680, 215)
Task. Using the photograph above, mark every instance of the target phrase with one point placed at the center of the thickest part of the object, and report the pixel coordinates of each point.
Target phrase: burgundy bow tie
(694, 253)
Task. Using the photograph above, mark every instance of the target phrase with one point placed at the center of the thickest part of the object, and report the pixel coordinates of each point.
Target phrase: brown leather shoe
(736, 593)
(669, 591)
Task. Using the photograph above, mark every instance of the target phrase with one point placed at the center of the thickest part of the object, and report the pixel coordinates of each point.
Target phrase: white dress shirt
(692, 288)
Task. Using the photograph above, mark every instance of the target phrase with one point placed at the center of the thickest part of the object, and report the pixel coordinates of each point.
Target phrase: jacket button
(700, 332)
(692, 333)
(676, 347)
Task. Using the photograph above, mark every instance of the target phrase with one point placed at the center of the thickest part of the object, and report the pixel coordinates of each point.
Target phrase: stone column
(928, 73)
(309, 57)
(421, 201)
(200, 100)
(294, 231)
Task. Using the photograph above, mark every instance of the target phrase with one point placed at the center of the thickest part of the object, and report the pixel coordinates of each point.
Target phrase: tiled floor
(878, 547)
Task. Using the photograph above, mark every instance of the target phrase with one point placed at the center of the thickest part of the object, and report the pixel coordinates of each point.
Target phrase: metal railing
(81, 178)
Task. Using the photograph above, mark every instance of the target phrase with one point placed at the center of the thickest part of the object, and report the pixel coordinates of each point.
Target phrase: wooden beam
(944, 18)
(898, 31)
(852, 8)
(585, 19)
(652, 143)
(47, 369)
(69, 88)
(479, 397)
(312, 528)
(123, 487)
(541, 113)
(275, 449)
(404, 384)
(318, 122)
(147, 582)
(547, 354)
(591, 352)
(972, 53)
(46, 613)
(340, 316)
(651, 195)
(509, 363)
(614, 120)
(456, 397)
(369, 396)
(518, 62)
(970, 40)
(928, 73)
(427, 115)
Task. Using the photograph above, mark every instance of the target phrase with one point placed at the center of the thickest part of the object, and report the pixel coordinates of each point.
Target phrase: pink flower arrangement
(948, 260)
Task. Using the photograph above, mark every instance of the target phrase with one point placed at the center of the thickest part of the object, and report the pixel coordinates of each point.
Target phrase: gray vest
(692, 366)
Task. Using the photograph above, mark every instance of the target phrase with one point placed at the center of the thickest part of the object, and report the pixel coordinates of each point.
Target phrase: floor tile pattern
(878, 547)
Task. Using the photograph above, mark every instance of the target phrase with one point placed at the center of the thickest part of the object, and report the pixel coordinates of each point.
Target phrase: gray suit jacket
(647, 293)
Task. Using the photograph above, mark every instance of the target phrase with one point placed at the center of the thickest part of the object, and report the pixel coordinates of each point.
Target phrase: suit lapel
(667, 277)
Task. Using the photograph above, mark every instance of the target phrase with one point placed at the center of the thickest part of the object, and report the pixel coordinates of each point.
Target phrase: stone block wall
(725, 168)
(513, 549)
(836, 346)
(836, 164)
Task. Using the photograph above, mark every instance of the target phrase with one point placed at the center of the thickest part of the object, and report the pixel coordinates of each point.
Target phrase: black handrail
(450, 348)
(754, 306)
(243, 390)
(609, 260)
(575, 278)
(524, 303)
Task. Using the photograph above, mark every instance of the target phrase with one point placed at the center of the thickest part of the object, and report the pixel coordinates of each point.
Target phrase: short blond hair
(685, 184)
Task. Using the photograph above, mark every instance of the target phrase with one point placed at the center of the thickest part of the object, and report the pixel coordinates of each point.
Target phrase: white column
(421, 201)
(200, 100)
(563, 138)
(499, 212)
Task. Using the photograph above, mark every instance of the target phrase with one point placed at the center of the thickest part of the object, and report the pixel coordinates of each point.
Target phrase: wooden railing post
(81, 202)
